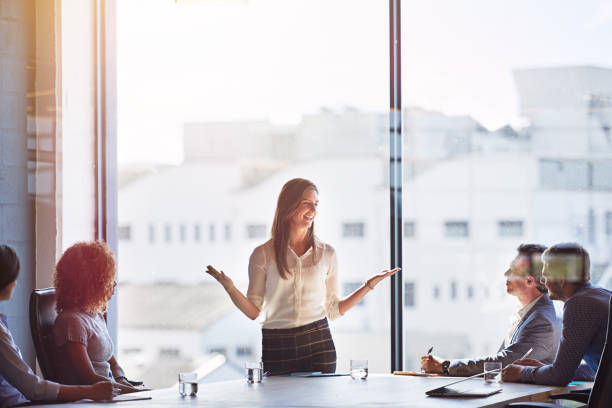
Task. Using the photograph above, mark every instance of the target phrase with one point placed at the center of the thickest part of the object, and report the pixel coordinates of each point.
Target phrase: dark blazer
(540, 329)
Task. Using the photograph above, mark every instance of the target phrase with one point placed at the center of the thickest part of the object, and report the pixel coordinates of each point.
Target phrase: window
(231, 156)
(436, 292)
(211, 232)
(256, 231)
(453, 290)
(353, 230)
(601, 174)
(510, 228)
(220, 350)
(197, 232)
(456, 229)
(244, 351)
(151, 234)
(350, 287)
(564, 174)
(409, 229)
(124, 232)
(409, 294)
(168, 233)
(470, 292)
(182, 232)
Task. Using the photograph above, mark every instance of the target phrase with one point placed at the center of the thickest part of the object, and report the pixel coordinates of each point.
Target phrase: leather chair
(42, 318)
(600, 396)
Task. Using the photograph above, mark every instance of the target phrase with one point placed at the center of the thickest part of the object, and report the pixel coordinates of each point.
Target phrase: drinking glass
(359, 369)
(188, 384)
(253, 371)
(493, 377)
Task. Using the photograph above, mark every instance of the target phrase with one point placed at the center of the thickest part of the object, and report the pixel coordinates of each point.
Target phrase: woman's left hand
(373, 281)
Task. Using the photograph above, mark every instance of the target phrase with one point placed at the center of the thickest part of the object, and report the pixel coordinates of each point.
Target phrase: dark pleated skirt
(308, 348)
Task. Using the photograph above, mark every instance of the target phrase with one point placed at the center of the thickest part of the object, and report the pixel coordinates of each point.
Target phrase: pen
(526, 354)
(430, 350)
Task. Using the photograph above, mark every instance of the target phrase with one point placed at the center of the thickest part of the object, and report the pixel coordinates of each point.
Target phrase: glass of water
(359, 369)
(253, 371)
(493, 377)
(188, 384)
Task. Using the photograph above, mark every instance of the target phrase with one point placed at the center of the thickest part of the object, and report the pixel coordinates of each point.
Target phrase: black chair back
(42, 318)
(601, 394)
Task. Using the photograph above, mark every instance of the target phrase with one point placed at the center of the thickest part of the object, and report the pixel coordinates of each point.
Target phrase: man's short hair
(9, 266)
(533, 253)
(568, 261)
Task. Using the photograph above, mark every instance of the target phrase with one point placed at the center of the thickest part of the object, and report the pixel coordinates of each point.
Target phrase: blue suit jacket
(540, 329)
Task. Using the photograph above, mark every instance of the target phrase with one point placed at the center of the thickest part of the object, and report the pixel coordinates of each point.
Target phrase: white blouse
(309, 293)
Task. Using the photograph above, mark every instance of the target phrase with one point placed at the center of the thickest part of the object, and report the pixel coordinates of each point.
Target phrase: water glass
(253, 371)
(188, 384)
(359, 369)
(493, 377)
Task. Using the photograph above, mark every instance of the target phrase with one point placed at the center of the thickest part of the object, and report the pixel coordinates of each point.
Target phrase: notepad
(417, 374)
(318, 374)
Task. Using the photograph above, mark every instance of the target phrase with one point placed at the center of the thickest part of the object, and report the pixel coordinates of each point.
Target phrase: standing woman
(293, 281)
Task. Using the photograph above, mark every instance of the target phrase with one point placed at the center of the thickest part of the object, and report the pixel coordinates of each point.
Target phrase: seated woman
(18, 383)
(84, 283)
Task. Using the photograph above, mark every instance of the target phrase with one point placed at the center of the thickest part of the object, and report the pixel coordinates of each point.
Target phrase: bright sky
(205, 60)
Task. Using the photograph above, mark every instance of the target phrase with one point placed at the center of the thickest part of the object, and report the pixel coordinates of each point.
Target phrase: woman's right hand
(102, 391)
(221, 277)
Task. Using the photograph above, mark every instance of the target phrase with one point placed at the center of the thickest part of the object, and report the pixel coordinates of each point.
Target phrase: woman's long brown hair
(288, 201)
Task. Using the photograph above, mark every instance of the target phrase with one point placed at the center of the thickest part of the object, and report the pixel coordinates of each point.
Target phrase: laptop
(466, 390)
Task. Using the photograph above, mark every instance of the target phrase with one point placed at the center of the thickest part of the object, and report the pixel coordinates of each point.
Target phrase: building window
(197, 232)
(256, 231)
(220, 350)
(211, 232)
(456, 229)
(243, 351)
(470, 292)
(151, 234)
(182, 232)
(124, 232)
(508, 228)
(436, 292)
(228, 232)
(353, 229)
(453, 290)
(409, 294)
(167, 232)
(609, 223)
(409, 229)
(350, 287)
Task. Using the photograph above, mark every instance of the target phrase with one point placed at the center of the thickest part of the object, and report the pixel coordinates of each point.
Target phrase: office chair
(600, 395)
(42, 318)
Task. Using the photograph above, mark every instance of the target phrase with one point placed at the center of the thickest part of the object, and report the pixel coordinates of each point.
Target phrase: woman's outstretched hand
(221, 277)
(373, 281)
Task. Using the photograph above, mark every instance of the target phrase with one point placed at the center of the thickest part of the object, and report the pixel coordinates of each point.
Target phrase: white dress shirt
(309, 293)
(517, 318)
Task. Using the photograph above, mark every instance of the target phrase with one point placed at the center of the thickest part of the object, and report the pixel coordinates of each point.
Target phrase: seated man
(585, 317)
(535, 326)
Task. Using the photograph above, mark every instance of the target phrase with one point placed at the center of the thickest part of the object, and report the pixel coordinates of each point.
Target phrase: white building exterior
(471, 196)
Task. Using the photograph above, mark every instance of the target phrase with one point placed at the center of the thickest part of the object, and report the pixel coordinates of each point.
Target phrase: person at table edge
(566, 274)
(535, 326)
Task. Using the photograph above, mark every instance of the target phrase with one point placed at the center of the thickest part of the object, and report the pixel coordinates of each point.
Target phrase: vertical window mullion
(395, 184)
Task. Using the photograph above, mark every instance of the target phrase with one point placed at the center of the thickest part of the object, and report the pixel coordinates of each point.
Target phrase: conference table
(378, 390)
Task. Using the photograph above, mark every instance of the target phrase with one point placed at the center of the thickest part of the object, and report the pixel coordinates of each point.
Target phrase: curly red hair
(85, 277)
